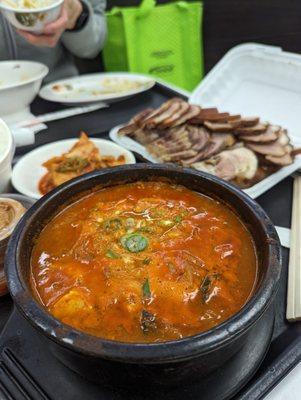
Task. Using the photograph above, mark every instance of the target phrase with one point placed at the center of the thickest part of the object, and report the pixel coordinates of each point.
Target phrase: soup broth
(144, 262)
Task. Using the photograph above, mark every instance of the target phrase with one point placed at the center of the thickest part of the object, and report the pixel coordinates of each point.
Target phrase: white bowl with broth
(31, 15)
(20, 82)
(6, 155)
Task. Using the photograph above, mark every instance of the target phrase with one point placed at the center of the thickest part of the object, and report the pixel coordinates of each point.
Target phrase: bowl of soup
(149, 273)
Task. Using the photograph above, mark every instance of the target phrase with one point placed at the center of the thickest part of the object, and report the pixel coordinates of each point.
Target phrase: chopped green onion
(146, 229)
(178, 219)
(134, 242)
(166, 222)
(130, 223)
(111, 254)
(112, 224)
(146, 261)
(146, 289)
(171, 267)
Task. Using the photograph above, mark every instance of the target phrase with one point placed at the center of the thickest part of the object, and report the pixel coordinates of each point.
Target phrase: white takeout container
(31, 19)
(251, 80)
(6, 155)
(257, 80)
(20, 82)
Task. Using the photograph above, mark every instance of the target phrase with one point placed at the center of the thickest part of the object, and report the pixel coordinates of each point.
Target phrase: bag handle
(146, 7)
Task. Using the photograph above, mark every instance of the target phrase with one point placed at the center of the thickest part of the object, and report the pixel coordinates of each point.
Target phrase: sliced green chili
(134, 242)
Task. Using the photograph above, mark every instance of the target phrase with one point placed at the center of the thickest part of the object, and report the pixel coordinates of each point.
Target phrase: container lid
(257, 80)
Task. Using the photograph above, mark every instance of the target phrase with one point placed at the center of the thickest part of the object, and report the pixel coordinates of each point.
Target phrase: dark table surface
(98, 124)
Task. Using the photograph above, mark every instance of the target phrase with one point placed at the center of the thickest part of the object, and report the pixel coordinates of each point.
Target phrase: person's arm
(85, 42)
(89, 40)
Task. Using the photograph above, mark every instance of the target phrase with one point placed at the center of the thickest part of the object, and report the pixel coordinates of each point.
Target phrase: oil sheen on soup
(144, 262)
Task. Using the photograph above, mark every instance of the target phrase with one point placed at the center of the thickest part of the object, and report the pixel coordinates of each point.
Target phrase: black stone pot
(168, 363)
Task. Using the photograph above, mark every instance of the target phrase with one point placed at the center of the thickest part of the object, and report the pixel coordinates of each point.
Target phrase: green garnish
(72, 164)
(146, 261)
(27, 19)
(206, 285)
(171, 267)
(146, 289)
(112, 224)
(146, 229)
(134, 242)
(178, 219)
(111, 254)
(130, 223)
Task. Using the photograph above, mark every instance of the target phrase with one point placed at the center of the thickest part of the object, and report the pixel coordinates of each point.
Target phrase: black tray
(29, 371)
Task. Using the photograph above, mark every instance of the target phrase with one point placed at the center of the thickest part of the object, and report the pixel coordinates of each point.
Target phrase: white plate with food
(48, 166)
(109, 87)
(249, 152)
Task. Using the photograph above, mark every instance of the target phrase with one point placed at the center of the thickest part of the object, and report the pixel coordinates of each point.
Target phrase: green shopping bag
(159, 40)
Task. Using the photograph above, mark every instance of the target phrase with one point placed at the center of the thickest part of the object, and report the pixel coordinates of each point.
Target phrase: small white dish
(91, 88)
(30, 19)
(20, 82)
(254, 191)
(29, 170)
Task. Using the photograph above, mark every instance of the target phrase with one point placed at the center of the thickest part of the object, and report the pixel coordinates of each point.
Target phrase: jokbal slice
(243, 150)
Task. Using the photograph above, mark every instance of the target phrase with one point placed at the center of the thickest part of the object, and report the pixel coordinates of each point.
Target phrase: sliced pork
(253, 130)
(236, 164)
(191, 113)
(270, 135)
(216, 144)
(276, 148)
(222, 127)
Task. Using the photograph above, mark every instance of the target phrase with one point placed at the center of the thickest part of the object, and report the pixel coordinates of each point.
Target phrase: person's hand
(52, 32)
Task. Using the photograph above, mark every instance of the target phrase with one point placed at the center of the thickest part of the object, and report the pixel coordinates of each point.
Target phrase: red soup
(144, 262)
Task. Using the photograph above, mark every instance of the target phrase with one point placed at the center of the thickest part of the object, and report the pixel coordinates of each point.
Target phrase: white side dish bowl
(6, 155)
(34, 18)
(20, 82)
(29, 170)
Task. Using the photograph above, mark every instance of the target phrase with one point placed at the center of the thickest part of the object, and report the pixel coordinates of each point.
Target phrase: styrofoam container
(6, 155)
(253, 79)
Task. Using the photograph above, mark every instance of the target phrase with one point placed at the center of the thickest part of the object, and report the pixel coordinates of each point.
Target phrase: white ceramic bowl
(6, 155)
(20, 82)
(29, 170)
(31, 19)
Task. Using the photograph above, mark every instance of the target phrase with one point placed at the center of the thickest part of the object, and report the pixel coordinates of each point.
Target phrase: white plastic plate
(29, 170)
(253, 79)
(88, 88)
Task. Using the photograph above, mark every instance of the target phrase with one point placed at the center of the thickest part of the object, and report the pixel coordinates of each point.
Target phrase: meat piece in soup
(144, 262)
